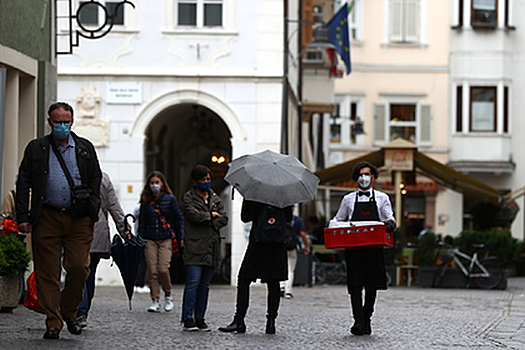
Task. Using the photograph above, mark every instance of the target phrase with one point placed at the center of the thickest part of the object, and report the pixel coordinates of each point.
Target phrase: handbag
(31, 300)
(166, 225)
(80, 194)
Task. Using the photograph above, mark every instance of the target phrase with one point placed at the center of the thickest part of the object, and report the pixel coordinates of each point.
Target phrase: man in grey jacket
(101, 245)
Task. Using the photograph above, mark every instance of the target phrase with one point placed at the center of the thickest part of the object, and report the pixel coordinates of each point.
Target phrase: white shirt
(384, 207)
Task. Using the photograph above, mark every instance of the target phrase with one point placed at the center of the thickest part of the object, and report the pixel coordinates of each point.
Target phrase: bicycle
(336, 274)
(486, 273)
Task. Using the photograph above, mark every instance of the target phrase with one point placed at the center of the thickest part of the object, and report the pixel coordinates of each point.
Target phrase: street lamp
(321, 39)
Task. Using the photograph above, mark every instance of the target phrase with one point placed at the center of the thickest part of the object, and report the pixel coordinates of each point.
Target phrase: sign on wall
(399, 159)
(124, 93)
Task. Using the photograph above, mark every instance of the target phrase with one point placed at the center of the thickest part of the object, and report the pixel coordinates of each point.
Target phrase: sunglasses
(66, 123)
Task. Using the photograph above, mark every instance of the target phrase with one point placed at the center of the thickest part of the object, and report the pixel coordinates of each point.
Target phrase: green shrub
(426, 249)
(14, 258)
(497, 243)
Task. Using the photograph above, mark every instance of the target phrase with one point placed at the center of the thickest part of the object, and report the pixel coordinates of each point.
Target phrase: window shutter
(413, 15)
(380, 124)
(396, 20)
(425, 125)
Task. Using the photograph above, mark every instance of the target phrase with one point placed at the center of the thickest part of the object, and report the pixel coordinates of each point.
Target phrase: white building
(176, 82)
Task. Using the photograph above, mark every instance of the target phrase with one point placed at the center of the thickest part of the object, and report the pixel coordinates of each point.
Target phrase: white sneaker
(168, 303)
(155, 307)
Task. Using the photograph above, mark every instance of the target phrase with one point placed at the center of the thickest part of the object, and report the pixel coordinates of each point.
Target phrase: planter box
(453, 278)
(9, 293)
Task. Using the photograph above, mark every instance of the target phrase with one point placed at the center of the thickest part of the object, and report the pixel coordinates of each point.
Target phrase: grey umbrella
(272, 178)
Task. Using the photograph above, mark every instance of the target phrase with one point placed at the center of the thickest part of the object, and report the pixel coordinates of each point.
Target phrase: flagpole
(300, 83)
(284, 116)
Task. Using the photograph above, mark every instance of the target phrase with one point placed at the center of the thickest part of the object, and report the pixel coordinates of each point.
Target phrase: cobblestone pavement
(317, 318)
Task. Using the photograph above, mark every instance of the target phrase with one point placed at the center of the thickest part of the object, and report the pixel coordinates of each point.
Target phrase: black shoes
(357, 328)
(201, 325)
(236, 326)
(52, 333)
(270, 325)
(73, 327)
(189, 325)
(367, 328)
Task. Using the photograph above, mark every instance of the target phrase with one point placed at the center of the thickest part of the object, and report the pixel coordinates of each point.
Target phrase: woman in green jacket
(204, 216)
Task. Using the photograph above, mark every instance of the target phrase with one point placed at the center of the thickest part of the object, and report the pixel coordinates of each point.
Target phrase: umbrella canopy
(272, 178)
(127, 254)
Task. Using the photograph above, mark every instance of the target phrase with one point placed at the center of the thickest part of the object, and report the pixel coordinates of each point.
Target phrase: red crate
(357, 237)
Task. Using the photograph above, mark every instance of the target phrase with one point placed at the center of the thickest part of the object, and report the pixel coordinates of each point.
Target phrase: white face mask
(155, 188)
(364, 181)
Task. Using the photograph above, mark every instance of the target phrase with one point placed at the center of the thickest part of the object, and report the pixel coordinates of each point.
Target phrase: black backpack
(270, 225)
(290, 237)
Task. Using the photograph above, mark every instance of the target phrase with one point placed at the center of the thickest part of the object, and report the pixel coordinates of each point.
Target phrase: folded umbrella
(127, 254)
(272, 178)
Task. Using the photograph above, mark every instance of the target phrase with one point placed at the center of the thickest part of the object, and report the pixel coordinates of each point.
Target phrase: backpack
(290, 237)
(270, 225)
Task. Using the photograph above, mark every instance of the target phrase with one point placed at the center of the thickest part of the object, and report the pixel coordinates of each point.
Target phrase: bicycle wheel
(388, 279)
(319, 274)
(495, 271)
(440, 272)
(336, 275)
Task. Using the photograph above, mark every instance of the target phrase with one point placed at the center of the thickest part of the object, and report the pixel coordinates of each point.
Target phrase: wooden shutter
(412, 20)
(395, 12)
(425, 125)
(380, 124)
(308, 15)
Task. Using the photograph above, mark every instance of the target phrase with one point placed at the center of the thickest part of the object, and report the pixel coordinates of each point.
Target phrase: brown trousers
(158, 259)
(59, 239)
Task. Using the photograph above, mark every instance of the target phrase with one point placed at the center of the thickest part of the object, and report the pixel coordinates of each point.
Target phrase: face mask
(204, 186)
(155, 188)
(61, 131)
(364, 181)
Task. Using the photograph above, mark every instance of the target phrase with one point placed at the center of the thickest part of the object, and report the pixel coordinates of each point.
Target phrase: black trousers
(362, 311)
(243, 297)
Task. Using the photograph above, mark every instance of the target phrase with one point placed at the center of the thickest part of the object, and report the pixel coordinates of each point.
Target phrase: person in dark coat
(204, 216)
(266, 261)
(160, 220)
(365, 266)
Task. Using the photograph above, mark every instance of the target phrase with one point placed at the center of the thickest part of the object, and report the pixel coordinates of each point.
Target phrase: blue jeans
(89, 290)
(196, 292)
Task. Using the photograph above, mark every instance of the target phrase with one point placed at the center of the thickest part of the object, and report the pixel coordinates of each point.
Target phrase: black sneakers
(201, 325)
(189, 325)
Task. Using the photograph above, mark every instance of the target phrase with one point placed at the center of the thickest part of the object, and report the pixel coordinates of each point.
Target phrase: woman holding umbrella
(205, 216)
(160, 220)
(263, 260)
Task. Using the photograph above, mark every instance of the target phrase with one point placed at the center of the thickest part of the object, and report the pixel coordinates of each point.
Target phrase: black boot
(368, 309)
(270, 325)
(236, 326)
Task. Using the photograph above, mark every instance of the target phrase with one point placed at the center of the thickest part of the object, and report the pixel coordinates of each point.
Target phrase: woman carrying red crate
(365, 266)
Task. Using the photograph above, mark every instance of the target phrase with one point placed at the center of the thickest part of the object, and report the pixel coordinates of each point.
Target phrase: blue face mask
(204, 186)
(61, 131)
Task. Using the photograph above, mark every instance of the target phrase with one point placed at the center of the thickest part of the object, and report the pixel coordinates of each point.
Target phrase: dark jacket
(32, 176)
(202, 238)
(150, 226)
(267, 261)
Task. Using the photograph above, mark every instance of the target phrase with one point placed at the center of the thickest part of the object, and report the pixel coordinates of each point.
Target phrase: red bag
(31, 300)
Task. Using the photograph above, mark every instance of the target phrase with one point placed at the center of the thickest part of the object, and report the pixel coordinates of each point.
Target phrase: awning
(434, 170)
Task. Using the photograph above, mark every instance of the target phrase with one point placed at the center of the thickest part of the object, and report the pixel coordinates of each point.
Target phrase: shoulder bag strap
(62, 163)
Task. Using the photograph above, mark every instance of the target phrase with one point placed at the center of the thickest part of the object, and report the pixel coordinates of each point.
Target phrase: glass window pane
(484, 5)
(119, 15)
(483, 109)
(187, 14)
(403, 132)
(401, 112)
(89, 14)
(213, 15)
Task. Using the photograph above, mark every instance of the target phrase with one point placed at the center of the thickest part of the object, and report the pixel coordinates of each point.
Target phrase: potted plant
(14, 261)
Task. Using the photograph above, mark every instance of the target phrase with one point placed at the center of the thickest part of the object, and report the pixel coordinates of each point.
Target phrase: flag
(339, 35)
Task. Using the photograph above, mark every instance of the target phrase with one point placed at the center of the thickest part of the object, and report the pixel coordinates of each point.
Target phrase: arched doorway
(180, 137)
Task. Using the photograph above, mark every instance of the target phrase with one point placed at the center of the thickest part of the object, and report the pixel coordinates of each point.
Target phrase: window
(484, 13)
(404, 21)
(483, 109)
(199, 13)
(355, 21)
(483, 114)
(345, 122)
(93, 14)
(403, 119)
